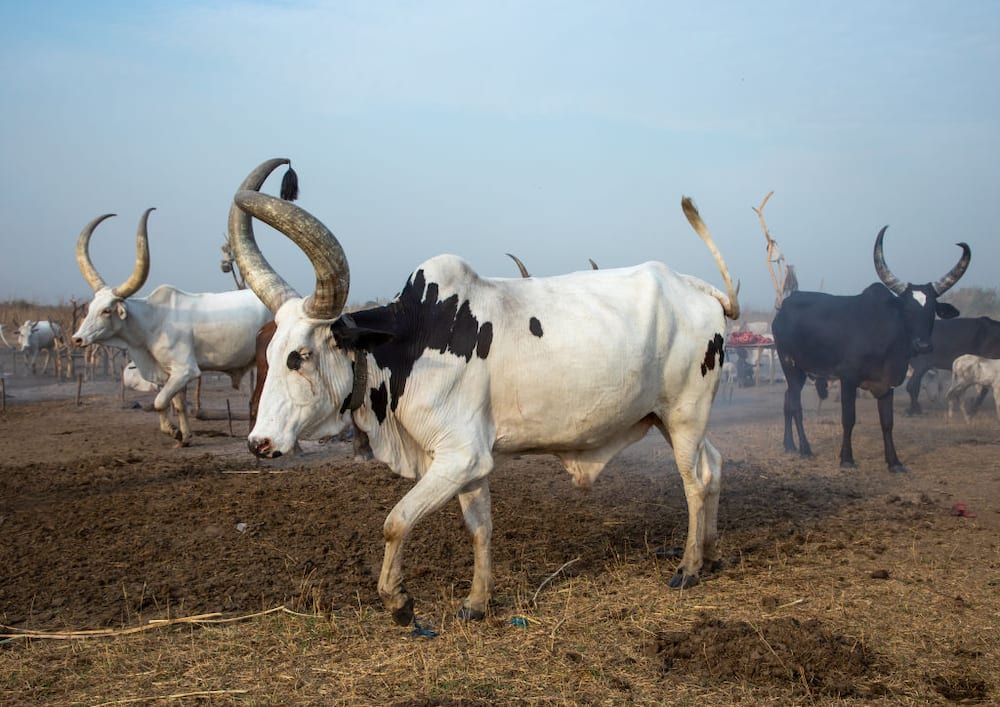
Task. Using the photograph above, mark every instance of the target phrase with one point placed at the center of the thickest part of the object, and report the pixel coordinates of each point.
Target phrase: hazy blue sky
(559, 131)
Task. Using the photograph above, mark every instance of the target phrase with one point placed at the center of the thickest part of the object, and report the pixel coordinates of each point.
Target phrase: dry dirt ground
(836, 586)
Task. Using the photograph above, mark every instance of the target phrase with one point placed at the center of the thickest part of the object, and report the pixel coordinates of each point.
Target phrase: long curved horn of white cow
(83, 260)
(732, 306)
(141, 270)
(946, 282)
(333, 277)
(884, 273)
(260, 277)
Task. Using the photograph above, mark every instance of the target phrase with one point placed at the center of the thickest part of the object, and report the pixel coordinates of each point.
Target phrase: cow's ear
(354, 338)
(122, 309)
(945, 310)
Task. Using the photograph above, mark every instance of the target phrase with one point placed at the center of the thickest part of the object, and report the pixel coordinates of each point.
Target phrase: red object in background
(748, 338)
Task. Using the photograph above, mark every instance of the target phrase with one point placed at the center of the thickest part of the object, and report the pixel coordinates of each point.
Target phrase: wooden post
(79, 386)
(3, 392)
(229, 417)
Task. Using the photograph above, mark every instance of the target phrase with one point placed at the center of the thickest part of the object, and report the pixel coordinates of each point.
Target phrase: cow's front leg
(476, 509)
(848, 413)
(885, 418)
(179, 403)
(174, 385)
(447, 476)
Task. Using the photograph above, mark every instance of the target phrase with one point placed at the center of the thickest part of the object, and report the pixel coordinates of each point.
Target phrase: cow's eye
(106, 312)
(296, 359)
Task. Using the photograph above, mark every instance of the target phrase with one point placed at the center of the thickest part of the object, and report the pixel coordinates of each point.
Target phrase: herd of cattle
(459, 368)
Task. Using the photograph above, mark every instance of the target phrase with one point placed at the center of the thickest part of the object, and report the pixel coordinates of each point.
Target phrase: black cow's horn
(266, 283)
(884, 273)
(333, 277)
(946, 282)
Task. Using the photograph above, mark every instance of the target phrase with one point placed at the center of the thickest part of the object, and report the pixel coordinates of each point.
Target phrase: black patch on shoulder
(419, 321)
(380, 402)
(535, 327)
(715, 346)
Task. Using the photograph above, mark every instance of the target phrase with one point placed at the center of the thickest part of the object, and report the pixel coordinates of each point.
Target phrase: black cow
(864, 340)
(951, 339)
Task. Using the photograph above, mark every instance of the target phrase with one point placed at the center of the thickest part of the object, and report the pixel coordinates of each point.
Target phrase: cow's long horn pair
(324, 251)
(898, 286)
(139, 274)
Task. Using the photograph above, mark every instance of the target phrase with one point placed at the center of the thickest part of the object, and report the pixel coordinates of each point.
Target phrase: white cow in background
(969, 370)
(171, 335)
(35, 337)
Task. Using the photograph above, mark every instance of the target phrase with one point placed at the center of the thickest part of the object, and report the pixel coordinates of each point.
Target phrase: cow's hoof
(898, 469)
(848, 465)
(680, 580)
(403, 616)
(467, 614)
(807, 454)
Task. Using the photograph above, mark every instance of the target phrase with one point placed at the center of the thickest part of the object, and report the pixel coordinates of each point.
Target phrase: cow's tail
(730, 304)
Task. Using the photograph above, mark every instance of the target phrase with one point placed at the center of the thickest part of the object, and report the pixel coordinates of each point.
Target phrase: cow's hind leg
(700, 467)
(795, 379)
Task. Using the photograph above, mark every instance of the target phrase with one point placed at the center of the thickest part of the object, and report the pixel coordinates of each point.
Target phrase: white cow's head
(24, 334)
(309, 376)
(107, 311)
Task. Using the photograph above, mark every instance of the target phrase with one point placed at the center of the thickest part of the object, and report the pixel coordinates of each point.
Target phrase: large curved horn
(884, 273)
(945, 283)
(520, 265)
(260, 277)
(83, 260)
(333, 277)
(141, 270)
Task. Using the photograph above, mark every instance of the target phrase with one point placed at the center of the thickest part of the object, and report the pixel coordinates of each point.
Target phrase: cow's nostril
(259, 447)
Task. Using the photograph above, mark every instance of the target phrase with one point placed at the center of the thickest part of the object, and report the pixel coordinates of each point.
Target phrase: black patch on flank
(294, 361)
(715, 346)
(380, 402)
(418, 321)
(535, 327)
(484, 340)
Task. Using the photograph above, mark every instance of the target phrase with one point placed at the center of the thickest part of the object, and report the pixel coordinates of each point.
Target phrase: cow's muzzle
(922, 347)
(262, 448)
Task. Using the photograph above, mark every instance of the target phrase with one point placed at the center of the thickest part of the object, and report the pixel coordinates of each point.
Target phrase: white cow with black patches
(460, 368)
